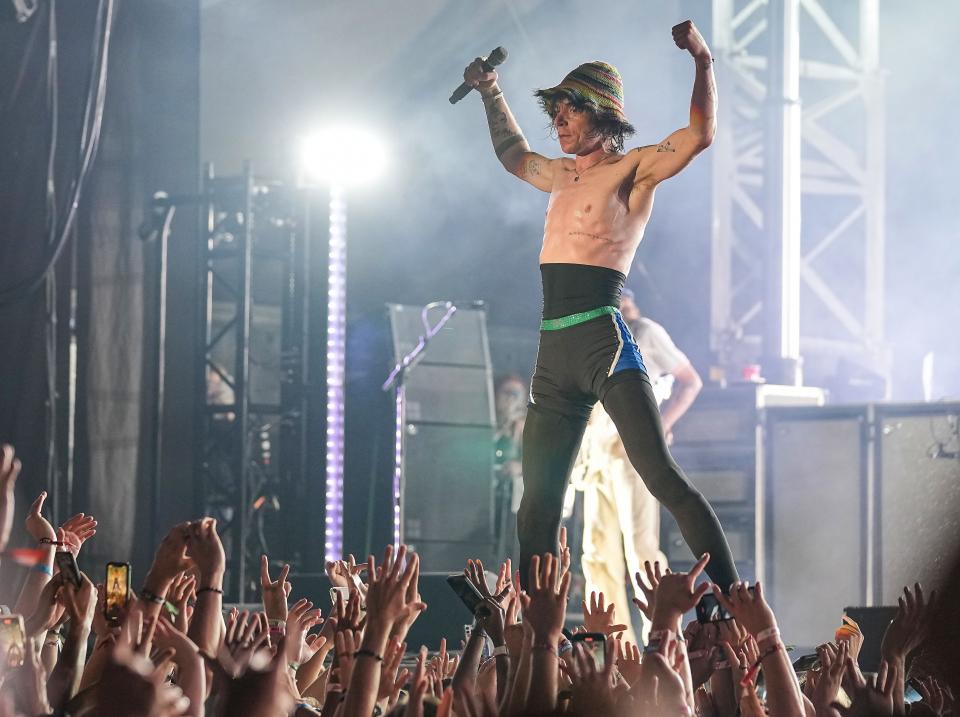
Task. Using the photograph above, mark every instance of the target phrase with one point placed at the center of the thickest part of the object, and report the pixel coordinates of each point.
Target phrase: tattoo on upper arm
(532, 168)
(666, 147)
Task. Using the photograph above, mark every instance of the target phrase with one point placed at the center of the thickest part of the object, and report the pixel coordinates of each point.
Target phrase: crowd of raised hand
(175, 651)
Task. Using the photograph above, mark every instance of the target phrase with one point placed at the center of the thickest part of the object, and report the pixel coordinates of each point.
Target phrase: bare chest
(597, 216)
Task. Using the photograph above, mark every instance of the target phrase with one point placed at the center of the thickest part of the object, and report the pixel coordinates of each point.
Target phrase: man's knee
(669, 486)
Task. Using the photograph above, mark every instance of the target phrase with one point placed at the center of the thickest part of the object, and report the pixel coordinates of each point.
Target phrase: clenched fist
(688, 38)
(476, 75)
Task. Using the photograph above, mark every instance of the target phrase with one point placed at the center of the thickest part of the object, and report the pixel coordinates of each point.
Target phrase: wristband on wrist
(500, 651)
(362, 652)
(768, 633)
(293, 666)
(697, 654)
(218, 591)
(47, 541)
(546, 646)
(43, 568)
(276, 622)
(660, 635)
(150, 596)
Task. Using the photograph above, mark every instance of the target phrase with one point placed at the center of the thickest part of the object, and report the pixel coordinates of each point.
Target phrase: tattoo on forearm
(501, 148)
(503, 132)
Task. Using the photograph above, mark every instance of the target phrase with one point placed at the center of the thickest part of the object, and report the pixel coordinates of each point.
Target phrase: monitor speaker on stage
(816, 513)
(918, 492)
(447, 436)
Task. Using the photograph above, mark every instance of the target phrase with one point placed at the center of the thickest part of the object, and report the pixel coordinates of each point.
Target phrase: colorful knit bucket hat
(598, 83)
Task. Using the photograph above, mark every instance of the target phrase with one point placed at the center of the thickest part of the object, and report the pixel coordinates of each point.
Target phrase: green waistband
(565, 322)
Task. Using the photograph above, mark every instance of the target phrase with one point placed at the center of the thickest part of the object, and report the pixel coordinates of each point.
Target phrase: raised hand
(418, 686)
(833, 662)
(748, 607)
(687, 37)
(9, 470)
(935, 697)
(592, 687)
(402, 627)
(648, 588)
(544, 604)
(849, 632)
(37, 526)
(300, 619)
(910, 625)
(207, 552)
(80, 603)
(628, 661)
(274, 592)
(677, 593)
(171, 556)
(476, 75)
(347, 642)
(387, 595)
(871, 697)
(392, 678)
(597, 618)
(245, 635)
(78, 529)
(184, 589)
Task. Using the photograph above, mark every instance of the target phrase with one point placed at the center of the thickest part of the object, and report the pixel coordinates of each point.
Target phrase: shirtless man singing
(600, 202)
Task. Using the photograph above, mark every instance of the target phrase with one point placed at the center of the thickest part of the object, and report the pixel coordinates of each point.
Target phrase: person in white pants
(621, 518)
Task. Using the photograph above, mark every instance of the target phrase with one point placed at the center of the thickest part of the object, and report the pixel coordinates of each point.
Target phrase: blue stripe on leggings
(630, 357)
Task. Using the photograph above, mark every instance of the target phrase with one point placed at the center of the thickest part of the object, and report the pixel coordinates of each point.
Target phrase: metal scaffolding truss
(839, 262)
(251, 402)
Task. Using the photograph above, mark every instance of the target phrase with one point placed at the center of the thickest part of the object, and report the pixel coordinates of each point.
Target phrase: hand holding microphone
(479, 74)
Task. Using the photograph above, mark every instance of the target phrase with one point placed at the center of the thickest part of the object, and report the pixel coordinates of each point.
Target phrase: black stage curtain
(148, 141)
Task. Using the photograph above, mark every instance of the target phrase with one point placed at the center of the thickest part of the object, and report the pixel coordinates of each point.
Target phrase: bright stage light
(343, 156)
(339, 158)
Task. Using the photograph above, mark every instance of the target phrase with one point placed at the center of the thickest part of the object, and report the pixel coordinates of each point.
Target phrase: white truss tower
(800, 136)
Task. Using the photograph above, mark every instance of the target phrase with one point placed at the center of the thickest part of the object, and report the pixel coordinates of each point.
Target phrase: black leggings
(573, 366)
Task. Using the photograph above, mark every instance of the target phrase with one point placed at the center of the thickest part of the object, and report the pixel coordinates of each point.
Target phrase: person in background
(621, 518)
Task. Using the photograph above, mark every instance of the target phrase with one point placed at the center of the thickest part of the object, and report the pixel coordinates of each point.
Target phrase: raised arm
(508, 141)
(662, 161)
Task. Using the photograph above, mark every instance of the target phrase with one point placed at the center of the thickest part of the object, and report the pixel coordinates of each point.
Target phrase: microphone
(496, 57)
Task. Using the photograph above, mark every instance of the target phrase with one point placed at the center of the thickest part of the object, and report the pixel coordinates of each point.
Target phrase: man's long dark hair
(606, 124)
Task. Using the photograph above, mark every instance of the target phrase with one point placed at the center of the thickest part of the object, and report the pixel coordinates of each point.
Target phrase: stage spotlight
(343, 157)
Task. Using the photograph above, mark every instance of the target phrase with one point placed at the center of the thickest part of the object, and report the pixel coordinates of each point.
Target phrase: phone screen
(118, 590)
(594, 643)
(68, 566)
(465, 590)
(344, 594)
(710, 610)
(11, 639)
